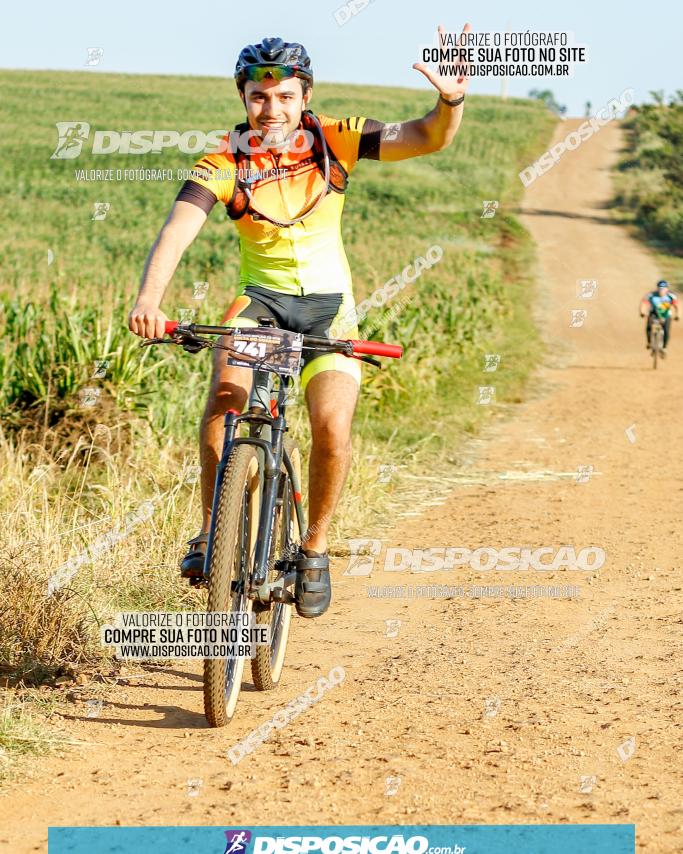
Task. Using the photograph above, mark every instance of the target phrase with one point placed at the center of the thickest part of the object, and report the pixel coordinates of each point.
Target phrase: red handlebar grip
(170, 327)
(378, 348)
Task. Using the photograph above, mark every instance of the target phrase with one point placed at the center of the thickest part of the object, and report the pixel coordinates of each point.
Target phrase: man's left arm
(436, 130)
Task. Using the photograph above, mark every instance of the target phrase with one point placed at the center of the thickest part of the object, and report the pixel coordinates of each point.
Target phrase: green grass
(74, 472)
(21, 733)
(649, 180)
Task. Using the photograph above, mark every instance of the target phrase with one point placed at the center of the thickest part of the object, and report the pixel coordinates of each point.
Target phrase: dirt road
(489, 710)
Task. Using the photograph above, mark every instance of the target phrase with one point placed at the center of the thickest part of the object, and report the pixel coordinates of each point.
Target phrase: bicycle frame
(267, 429)
(267, 436)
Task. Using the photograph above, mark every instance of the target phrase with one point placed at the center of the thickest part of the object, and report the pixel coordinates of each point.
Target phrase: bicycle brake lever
(149, 341)
(190, 346)
(369, 360)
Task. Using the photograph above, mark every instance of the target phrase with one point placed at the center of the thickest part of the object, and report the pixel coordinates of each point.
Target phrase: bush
(651, 180)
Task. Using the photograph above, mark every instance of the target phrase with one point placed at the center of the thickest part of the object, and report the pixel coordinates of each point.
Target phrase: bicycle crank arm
(275, 591)
(282, 595)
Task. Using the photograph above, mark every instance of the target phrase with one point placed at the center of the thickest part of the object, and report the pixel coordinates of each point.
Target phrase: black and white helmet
(272, 52)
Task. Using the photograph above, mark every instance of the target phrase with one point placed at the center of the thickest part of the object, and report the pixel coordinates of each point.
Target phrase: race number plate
(267, 349)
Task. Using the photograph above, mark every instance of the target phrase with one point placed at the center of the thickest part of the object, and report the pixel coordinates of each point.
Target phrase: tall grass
(74, 472)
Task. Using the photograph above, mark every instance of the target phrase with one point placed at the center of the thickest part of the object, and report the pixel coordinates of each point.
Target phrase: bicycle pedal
(282, 595)
(198, 581)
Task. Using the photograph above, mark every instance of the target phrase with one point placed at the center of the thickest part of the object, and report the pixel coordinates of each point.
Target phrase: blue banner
(365, 839)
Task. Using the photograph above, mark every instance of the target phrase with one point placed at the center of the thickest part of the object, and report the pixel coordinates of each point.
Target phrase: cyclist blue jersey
(661, 305)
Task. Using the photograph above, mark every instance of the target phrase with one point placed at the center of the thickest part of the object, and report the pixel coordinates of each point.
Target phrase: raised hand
(449, 86)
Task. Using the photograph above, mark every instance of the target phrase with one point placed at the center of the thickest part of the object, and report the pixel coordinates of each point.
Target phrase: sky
(629, 47)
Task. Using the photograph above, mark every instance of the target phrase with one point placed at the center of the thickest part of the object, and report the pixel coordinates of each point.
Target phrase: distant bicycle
(658, 305)
(257, 520)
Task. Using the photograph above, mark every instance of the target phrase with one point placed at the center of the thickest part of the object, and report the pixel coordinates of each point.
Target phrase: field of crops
(82, 448)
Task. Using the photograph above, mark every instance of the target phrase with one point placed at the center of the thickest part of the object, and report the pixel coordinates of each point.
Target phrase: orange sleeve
(343, 137)
(215, 172)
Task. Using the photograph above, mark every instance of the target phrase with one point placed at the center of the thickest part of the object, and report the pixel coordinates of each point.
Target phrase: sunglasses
(258, 73)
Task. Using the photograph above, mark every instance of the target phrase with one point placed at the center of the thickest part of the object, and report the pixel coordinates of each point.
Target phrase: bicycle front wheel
(655, 343)
(230, 563)
(266, 666)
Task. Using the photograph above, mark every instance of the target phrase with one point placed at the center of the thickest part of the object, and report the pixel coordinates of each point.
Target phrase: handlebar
(348, 346)
(378, 348)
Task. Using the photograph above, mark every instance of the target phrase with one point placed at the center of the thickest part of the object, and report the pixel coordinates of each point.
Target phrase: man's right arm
(180, 229)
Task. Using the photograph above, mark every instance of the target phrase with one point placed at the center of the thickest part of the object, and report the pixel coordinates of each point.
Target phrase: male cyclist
(293, 267)
(658, 304)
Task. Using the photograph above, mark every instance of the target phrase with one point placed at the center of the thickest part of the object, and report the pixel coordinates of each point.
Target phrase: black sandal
(192, 565)
(313, 590)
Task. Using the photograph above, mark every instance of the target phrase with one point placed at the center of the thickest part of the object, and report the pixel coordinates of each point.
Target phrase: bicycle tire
(266, 666)
(232, 554)
(655, 339)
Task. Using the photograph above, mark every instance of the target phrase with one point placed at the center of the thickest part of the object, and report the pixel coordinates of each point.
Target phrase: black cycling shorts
(324, 315)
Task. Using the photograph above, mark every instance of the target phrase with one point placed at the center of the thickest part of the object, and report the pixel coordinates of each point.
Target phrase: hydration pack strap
(339, 179)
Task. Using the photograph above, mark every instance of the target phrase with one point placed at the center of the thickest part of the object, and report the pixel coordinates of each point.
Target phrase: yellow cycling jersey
(304, 258)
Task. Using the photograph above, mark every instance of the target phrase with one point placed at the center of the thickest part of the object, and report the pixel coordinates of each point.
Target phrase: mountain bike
(257, 517)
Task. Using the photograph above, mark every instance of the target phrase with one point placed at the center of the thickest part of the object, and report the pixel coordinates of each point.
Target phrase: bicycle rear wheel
(266, 666)
(230, 563)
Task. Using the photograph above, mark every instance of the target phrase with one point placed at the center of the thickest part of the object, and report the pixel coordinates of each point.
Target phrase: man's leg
(667, 330)
(331, 397)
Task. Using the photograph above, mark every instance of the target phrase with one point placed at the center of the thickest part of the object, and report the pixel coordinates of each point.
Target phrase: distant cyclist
(293, 268)
(658, 304)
